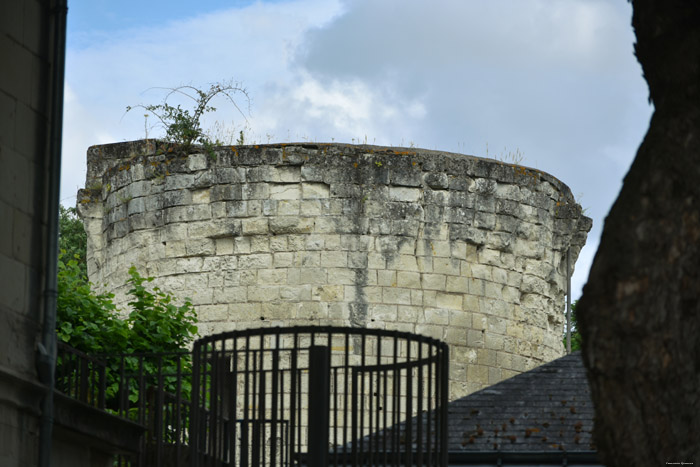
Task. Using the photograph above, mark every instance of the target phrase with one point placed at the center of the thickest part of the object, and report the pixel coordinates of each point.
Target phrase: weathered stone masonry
(464, 249)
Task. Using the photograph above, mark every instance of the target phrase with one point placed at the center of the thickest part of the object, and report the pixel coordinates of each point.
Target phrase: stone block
(16, 278)
(341, 276)
(409, 314)
(327, 293)
(357, 259)
(447, 266)
(404, 194)
(285, 191)
(288, 208)
(430, 330)
(449, 301)
(471, 303)
(403, 263)
(312, 207)
(189, 213)
(291, 225)
(313, 276)
(315, 190)
(408, 279)
(416, 297)
(394, 295)
(312, 310)
(254, 207)
(311, 174)
(255, 261)
(376, 261)
(272, 276)
(433, 281)
(283, 259)
(295, 293)
(278, 243)
(475, 338)
(334, 259)
(383, 313)
(386, 278)
(457, 284)
(200, 247)
(255, 226)
(178, 181)
(493, 342)
(214, 312)
(263, 293)
(493, 290)
(436, 181)
(437, 316)
(259, 244)
(197, 162)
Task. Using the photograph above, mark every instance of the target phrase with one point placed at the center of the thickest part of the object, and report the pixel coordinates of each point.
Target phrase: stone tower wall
(468, 250)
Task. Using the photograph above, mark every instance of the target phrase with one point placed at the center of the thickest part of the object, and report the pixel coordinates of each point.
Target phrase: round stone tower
(468, 250)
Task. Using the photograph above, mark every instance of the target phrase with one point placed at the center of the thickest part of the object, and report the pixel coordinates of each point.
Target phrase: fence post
(319, 405)
(568, 300)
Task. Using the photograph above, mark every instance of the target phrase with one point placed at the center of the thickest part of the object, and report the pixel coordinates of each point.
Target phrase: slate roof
(547, 409)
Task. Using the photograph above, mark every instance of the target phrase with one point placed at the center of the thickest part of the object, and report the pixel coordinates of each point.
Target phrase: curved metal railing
(319, 396)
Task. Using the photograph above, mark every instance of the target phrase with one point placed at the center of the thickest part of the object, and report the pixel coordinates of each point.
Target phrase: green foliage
(72, 237)
(85, 320)
(575, 334)
(156, 323)
(183, 126)
(91, 323)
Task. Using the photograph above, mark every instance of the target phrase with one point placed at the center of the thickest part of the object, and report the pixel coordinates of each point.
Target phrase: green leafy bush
(86, 321)
(91, 323)
(72, 237)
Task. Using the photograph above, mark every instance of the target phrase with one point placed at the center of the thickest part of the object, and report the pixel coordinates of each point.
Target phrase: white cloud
(555, 80)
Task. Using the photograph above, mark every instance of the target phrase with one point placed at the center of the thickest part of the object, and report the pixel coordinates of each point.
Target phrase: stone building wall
(464, 249)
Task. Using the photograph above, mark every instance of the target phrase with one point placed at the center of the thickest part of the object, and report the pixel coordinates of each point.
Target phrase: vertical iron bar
(84, 379)
(245, 447)
(362, 394)
(293, 399)
(395, 429)
(223, 388)
(178, 410)
(319, 405)
(260, 425)
(370, 419)
(233, 402)
(430, 430)
(568, 300)
(409, 406)
(384, 415)
(299, 410)
(157, 413)
(443, 403)
(255, 443)
(355, 431)
(346, 376)
(273, 418)
(103, 386)
(194, 408)
(419, 418)
(335, 424)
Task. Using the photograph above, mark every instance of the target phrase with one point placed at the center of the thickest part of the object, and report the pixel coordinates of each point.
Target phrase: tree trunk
(640, 311)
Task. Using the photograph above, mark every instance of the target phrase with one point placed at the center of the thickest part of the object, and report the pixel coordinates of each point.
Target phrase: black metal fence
(294, 396)
(80, 376)
(319, 396)
(150, 389)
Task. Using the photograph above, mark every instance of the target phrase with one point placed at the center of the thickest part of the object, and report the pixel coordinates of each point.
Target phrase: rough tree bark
(640, 311)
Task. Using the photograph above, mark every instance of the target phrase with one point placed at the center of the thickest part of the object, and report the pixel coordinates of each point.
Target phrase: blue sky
(554, 81)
